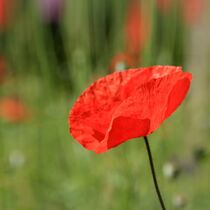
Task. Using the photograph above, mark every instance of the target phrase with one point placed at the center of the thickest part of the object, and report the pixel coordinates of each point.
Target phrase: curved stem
(153, 173)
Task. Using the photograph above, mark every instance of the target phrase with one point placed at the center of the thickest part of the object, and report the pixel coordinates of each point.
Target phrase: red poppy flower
(125, 105)
(192, 10)
(136, 29)
(2, 12)
(12, 110)
(164, 5)
(5, 10)
(122, 61)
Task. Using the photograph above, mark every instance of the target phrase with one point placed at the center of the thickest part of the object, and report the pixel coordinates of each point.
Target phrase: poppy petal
(91, 115)
(151, 100)
(177, 94)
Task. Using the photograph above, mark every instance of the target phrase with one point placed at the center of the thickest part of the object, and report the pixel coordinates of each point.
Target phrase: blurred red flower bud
(13, 110)
(192, 10)
(164, 5)
(6, 10)
(126, 105)
(3, 13)
(136, 28)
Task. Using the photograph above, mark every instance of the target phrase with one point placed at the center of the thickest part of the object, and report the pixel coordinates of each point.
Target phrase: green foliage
(41, 166)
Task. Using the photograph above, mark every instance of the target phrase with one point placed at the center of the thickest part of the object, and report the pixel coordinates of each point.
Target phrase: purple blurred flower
(51, 9)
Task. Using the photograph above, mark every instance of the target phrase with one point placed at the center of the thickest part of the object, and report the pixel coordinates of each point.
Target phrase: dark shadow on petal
(126, 128)
(98, 135)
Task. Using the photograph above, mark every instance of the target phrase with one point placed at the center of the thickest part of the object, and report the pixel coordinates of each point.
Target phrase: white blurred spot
(179, 201)
(120, 66)
(16, 159)
(170, 170)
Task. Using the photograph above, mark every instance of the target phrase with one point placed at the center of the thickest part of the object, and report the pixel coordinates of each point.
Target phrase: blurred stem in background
(48, 39)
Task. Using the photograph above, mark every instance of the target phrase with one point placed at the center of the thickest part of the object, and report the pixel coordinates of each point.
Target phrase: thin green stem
(153, 173)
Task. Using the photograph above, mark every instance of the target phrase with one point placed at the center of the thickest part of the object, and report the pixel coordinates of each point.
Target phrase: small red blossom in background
(122, 61)
(136, 28)
(164, 5)
(3, 15)
(126, 105)
(13, 110)
(2, 69)
(6, 10)
(136, 33)
(192, 10)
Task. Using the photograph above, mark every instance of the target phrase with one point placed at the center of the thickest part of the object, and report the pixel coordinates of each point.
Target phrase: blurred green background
(50, 50)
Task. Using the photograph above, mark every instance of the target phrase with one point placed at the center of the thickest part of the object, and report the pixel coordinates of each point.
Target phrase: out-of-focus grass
(41, 166)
